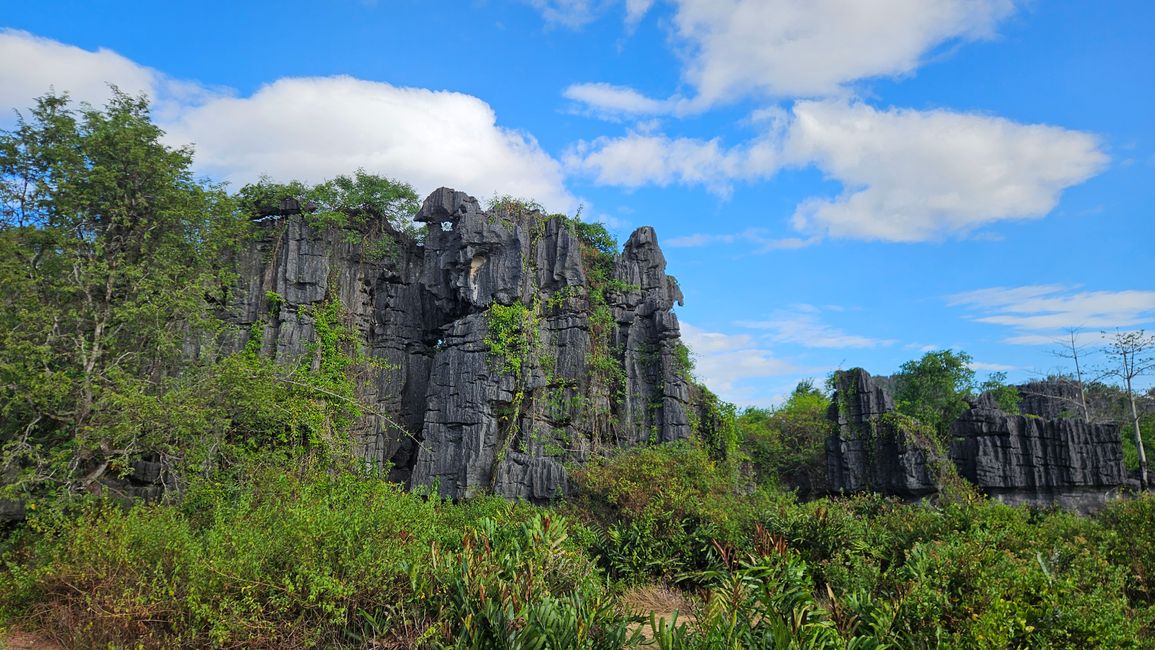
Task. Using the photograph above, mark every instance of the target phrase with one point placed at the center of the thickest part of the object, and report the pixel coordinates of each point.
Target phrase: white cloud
(810, 48)
(1041, 314)
(641, 159)
(1051, 338)
(907, 175)
(724, 361)
(304, 128)
(570, 13)
(923, 175)
(757, 236)
(792, 48)
(608, 100)
(32, 65)
(991, 367)
(636, 10)
(802, 325)
(313, 128)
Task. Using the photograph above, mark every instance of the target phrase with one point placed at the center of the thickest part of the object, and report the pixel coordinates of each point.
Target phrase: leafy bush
(787, 445)
(1007, 397)
(520, 587)
(768, 601)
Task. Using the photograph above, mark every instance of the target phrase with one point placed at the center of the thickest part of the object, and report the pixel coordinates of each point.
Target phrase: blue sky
(835, 183)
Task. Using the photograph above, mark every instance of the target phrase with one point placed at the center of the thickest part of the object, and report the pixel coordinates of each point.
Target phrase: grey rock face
(872, 448)
(1050, 399)
(598, 366)
(1020, 459)
(1042, 461)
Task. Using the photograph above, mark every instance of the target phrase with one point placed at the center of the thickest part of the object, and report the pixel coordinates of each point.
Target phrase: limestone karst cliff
(506, 346)
(1041, 461)
(872, 447)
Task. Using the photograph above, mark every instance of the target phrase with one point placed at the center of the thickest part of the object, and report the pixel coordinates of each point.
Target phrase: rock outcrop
(1050, 399)
(1040, 461)
(506, 346)
(873, 447)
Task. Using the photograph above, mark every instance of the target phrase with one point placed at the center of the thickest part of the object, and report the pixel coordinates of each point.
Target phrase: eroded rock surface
(596, 342)
(1040, 461)
(872, 447)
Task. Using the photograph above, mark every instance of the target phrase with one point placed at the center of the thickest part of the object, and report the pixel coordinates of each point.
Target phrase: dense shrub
(787, 445)
(288, 560)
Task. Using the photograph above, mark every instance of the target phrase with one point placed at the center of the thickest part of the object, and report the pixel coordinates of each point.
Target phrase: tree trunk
(1138, 438)
(1079, 377)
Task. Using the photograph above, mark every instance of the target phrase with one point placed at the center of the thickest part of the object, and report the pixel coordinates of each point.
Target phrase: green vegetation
(1007, 397)
(359, 202)
(275, 536)
(108, 252)
(297, 554)
(512, 335)
(787, 445)
(934, 389)
(110, 258)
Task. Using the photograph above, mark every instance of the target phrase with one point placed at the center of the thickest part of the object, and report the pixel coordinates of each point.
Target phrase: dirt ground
(19, 640)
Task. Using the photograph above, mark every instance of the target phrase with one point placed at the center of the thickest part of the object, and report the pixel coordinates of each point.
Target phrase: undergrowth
(302, 556)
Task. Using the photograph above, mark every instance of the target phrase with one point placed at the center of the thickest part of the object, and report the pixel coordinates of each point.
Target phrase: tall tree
(109, 252)
(1133, 356)
(934, 388)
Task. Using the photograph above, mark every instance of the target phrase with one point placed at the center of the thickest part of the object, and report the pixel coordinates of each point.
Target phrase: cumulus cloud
(313, 128)
(807, 48)
(796, 48)
(639, 159)
(32, 65)
(920, 175)
(1041, 314)
(304, 128)
(724, 361)
(907, 175)
(803, 325)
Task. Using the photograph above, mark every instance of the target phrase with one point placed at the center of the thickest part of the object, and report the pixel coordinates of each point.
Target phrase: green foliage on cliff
(1007, 397)
(512, 333)
(934, 388)
(715, 421)
(357, 202)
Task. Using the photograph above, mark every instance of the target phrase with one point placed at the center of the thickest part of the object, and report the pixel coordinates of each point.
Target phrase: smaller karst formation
(1037, 458)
